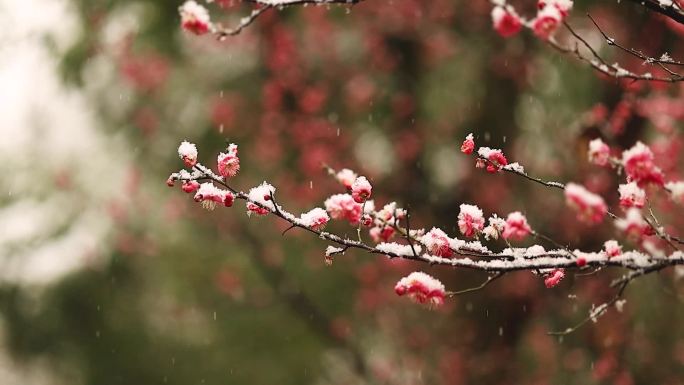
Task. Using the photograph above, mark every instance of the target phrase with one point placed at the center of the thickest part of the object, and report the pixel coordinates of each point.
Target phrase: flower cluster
(550, 15)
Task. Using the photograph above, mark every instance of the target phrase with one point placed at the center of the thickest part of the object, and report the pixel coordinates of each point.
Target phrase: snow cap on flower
(470, 220)
(547, 22)
(506, 21)
(634, 225)
(437, 243)
(361, 189)
(421, 288)
(188, 153)
(315, 219)
(228, 162)
(195, 18)
(496, 226)
(343, 206)
(612, 248)
(563, 6)
(553, 278)
(599, 152)
(516, 227)
(190, 186)
(495, 157)
(589, 206)
(640, 167)
(346, 177)
(631, 195)
(261, 195)
(676, 190)
(468, 145)
(210, 195)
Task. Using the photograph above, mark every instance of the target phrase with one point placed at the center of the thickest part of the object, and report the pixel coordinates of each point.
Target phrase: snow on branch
(392, 235)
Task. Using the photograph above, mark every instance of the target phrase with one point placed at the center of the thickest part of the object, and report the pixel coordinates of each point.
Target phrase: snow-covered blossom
(470, 220)
(563, 6)
(346, 177)
(468, 144)
(261, 195)
(599, 152)
(361, 189)
(495, 157)
(437, 243)
(188, 153)
(343, 206)
(547, 21)
(228, 162)
(506, 21)
(553, 278)
(640, 167)
(676, 190)
(210, 195)
(589, 206)
(496, 226)
(633, 224)
(421, 288)
(315, 219)
(612, 248)
(190, 186)
(195, 18)
(516, 227)
(381, 233)
(631, 195)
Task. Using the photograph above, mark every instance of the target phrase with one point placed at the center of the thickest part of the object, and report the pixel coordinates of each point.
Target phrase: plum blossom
(612, 248)
(437, 243)
(346, 177)
(210, 195)
(589, 206)
(599, 152)
(676, 190)
(381, 233)
(188, 153)
(421, 288)
(468, 145)
(261, 195)
(470, 220)
(495, 157)
(361, 189)
(563, 6)
(315, 219)
(634, 225)
(190, 186)
(553, 278)
(228, 162)
(516, 227)
(631, 195)
(343, 206)
(640, 167)
(195, 18)
(496, 226)
(506, 21)
(547, 22)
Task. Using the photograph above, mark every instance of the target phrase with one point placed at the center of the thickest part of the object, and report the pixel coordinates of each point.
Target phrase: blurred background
(110, 277)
